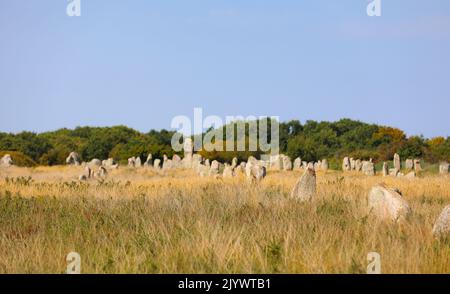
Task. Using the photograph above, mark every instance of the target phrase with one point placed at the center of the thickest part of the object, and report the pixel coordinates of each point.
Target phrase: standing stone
(441, 227)
(176, 161)
(393, 172)
(385, 169)
(131, 162)
(324, 164)
(167, 164)
(73, 159)
(202, 170)
(287, 163)
(304, 164)
(276, 162)
(6, 161)
(137, 162)
(95, 162)
(110, 163)
(88, 172)
(397, 162)
(346, 164)
(234, 162)
(443, 168)
(188, 148)
(352, 163)
(409, 164)
(417, 165)
(305, 188)
(358, 165)
(228, 171)
(254, 172)
(196, 161)
(207, 163)
(214, 169)
(258, 173)
(387, 203)
(149, 161)
(297, 163)
(316, 166)
(102, 172)
(368, 168)
(157, 163)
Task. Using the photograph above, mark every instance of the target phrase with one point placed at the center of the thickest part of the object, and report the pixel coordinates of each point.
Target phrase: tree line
(310, 141)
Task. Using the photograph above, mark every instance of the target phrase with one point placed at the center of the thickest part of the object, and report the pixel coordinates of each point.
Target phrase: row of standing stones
(384, 202)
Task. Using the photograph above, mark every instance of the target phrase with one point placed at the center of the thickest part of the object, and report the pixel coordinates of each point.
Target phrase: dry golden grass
(142, 221)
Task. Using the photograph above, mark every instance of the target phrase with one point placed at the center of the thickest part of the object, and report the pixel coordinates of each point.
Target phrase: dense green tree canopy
(311, 141)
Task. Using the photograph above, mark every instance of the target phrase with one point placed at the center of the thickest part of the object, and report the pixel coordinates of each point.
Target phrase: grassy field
(142, 221)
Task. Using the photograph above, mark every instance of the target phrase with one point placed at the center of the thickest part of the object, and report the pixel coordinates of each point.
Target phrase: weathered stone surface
(149, 161)
(207, 163)
(443, 168)
(202, 170)
(110, 163)
(305, 164)
(305, 188)
(73, 159)
(131, 161)
(316, 166)
(358, 165)
(417, 165)
(254, 172)
(287, 163)
(409, 164)
(88, 172)
(346, 164)
(195, 162)
(157, 163)
(234, 162)
(324, 164)
(137, 162)
(397, 162)
(352, 163)
(6, 161)
(387, 203)
(95, 162)
(214, 169)
(102, 172)
(188, 147)
(167, 164)
(228, 171)
(385, 169)
(441, 227)
(297, 163)
(368, 168)
(393, 172)
(276, 162)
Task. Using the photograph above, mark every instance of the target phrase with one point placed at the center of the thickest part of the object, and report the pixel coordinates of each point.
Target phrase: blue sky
(140, 63)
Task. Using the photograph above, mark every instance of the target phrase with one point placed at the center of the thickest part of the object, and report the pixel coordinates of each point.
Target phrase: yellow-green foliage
(145, 221)
(19, 158)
